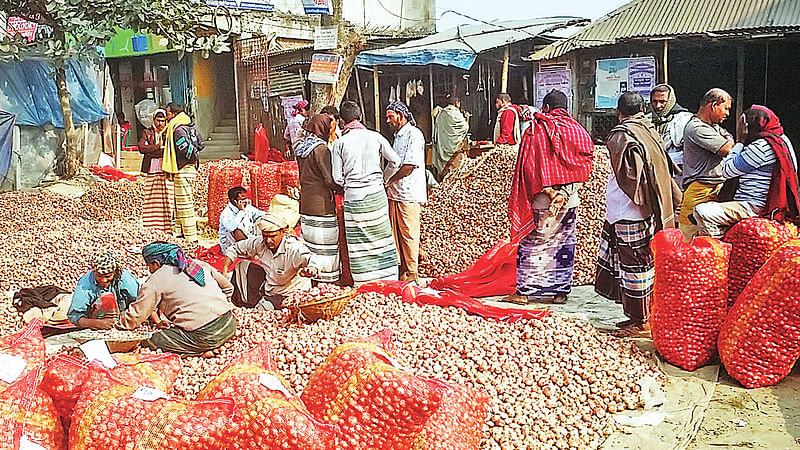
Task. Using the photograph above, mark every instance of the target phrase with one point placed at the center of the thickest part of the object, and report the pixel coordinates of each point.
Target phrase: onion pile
(554, 378)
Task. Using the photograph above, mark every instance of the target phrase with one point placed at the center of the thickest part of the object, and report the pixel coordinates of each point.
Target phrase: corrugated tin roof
(664, 18)
(459, 46)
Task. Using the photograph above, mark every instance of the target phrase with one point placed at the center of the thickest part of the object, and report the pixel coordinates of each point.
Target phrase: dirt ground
(704, 409)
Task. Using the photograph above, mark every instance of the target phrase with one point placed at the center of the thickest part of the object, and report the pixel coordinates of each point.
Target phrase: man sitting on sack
(287, 262)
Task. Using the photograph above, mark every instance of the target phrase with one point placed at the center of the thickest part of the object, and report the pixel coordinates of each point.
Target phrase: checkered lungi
(625, 270)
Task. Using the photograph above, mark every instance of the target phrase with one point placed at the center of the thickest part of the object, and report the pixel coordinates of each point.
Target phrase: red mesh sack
(111, 414)
(265, 181)
(690, 297)
(21, 352)
(28, 415)
(290, 174)
(268, 415)
(754, 241)
(65, 375)
(458, 423)
(760, 340)
(376, 405)
(220, 180)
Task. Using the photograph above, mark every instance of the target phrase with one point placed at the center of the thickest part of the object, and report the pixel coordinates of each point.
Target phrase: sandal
(636, 330)
(626, 323)
(516, 299)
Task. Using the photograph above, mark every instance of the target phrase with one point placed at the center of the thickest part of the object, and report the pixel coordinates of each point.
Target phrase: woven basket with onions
(326, 308)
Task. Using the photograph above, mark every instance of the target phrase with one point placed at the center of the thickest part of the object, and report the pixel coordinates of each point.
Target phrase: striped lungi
(625, 270)
(370, 242)
(208, 337)
(157, 208)
(185, 217)
(321, 235)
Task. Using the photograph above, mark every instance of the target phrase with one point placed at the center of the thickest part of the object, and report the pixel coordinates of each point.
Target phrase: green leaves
(89, 23)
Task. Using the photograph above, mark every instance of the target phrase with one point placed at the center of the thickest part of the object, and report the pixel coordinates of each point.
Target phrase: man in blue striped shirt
(753, 165)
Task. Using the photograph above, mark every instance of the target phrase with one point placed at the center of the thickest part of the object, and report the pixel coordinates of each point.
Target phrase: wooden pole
(504, 78)
(739, 85)
(118, 150)
(666, 61)
(430, 83)
(376, 85)
(358, 85)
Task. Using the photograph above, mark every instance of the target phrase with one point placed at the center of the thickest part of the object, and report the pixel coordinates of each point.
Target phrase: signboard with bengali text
(325, 68)
(318, 7)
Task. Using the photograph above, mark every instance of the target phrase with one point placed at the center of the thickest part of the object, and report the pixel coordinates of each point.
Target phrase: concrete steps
(223, 142)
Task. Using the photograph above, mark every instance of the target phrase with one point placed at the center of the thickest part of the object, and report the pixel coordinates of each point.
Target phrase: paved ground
(705, 409)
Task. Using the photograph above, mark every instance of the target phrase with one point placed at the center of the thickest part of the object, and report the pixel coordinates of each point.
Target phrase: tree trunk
(71, 160)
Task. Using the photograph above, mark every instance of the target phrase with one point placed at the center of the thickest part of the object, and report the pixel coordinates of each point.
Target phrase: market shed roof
(647, 19)
(459, 46)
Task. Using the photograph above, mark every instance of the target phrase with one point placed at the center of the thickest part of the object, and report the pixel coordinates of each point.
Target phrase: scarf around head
(317, 131)
(172, 255)
(170, 162)
(402, 109)
(104, 263)
(672, 107)
(783, 202)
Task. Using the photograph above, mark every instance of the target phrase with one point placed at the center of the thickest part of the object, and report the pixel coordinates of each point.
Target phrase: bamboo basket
(322, 309)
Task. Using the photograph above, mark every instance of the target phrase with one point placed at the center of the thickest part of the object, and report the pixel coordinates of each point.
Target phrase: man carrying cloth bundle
(555, 158)
(640, 201)
(186, 297)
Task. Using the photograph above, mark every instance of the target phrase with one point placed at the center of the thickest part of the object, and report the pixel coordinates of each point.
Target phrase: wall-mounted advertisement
(559, 80)
(615, 76)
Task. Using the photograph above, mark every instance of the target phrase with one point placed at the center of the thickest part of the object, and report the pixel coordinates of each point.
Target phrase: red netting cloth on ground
(110, 173)
(213, 256)
(412, 293)
(690, 297)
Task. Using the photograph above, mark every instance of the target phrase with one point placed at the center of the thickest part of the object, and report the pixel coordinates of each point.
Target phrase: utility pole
(350, 44)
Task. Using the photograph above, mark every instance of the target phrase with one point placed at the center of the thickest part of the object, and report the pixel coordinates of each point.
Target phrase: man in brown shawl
(640, 201)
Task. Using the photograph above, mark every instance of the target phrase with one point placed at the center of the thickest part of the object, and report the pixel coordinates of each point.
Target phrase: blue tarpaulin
(28, 90)
(460, 46)
(6, 135)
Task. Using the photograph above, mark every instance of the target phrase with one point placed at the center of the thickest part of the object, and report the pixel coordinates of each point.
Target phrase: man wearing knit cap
(287, 262)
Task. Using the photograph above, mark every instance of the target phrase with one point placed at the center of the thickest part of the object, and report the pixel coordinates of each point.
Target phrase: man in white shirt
(407, 189)
(237, 221)
(356, 165)
(287, 262)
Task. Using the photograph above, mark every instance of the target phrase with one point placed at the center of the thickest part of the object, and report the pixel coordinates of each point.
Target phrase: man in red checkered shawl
(555, 159)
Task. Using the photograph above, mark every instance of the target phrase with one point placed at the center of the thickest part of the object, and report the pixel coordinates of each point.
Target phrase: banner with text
(615, 76)
(325, 68)
(318, 7)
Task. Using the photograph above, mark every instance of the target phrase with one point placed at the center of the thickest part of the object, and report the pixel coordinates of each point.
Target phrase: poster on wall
(325, 68)
(615, 76)
(318, 7)
(560, 80)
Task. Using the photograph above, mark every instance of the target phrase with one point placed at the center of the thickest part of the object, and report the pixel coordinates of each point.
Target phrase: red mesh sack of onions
(28, 416)
(290, 174)
(377, 405)
(265, 182)
(760, 340)
(64, 376)
(269, 415)
(690, 297)
(111, 414)
(458, 423)
(220, 180)
(754, 241)
(21, 352)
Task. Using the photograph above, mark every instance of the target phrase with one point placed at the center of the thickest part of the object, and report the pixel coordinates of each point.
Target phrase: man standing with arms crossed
(407, 189)
(705, 143)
